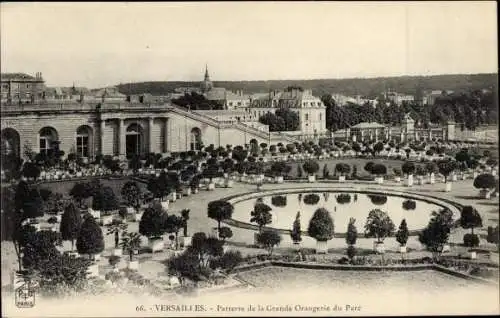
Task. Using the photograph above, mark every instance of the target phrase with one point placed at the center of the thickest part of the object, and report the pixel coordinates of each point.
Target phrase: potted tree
(351, 237)
(115, 228)
(378, 225)
(431, 168)
(397, 174)
(279, 168)
(311, 167)
(486, 182)
(262, 216)
(90, 239)
(402, 236)
(131, 242)
(296, 233)
(421, 172)
(470, 219)
(269, 239)
(408, 169)
(220, 210)
(186, 239)
(153, 226)
(343, 169)
(225, 233)
(211, 172)
(435, 235)
(71, 222)
(446, 167)
(321, 228)
(173, 224)
(132, 194)
(379, 170)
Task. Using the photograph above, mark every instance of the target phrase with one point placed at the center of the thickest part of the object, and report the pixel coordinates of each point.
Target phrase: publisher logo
(25, 295)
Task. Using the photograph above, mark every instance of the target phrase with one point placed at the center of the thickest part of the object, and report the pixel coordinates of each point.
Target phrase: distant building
(21, 88)
(311, 110)
(398, 98)
(430, 97)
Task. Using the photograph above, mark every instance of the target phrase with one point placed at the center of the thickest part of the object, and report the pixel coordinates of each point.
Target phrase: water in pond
(342, 206)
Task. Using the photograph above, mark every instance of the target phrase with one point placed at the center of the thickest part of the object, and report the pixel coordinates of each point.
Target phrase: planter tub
(397, 179)
(454, 177)
(409, 181)
(447, 187)
(446, 248)
(137, 217)
(432, 178)
(464, 177)
(380, 248)
(186, 191)
(106, 220)
(173, 196)
(118, 252)
(95, 213)
(165, 204)
(402, 249)
(475, 174)
(494, 172)
(311, 178)
(420, 181)
(157, 246)
(134, 265)
(472, 255)
(58, 217)
(228, 183)
(195, 191)
(485, 194)
(279, 179)
(341, 178)
(379, 180)
(186, 241)
(321, 247)
(93, 271)
(211, 186)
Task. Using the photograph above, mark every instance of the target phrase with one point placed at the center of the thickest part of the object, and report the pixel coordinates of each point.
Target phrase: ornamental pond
(342, 204)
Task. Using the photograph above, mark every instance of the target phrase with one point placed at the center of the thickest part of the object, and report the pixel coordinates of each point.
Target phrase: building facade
(21, 88)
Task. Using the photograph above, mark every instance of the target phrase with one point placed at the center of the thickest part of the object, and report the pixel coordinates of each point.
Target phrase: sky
(103, 44)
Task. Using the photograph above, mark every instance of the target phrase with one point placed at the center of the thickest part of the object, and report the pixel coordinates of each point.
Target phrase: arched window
(48, 139)
(195, 143)
(83, 137)
(134, 139)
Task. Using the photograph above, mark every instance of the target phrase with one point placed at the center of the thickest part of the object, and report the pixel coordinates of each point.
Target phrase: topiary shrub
(378, 199)
(343, 198)
(471, 240)
(311, 199)
(409, 205)
(278, 200)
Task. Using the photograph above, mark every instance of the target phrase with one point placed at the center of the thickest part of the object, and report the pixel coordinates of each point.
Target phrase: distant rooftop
(368, 125)
(18, 76)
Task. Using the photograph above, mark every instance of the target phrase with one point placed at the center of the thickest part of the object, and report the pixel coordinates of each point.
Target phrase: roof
(17, 77)
(216, 93)
(368, 125)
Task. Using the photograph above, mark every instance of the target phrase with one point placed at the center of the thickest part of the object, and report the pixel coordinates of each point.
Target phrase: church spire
(207, 76)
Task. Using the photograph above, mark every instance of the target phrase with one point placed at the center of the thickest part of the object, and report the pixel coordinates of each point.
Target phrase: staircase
(253, 132)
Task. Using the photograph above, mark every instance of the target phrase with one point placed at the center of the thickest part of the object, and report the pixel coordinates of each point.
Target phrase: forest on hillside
(369, 87)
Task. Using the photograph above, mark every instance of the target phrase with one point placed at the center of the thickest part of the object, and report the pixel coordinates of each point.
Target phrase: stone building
(21, 88)
(311, 110)
(111, 125)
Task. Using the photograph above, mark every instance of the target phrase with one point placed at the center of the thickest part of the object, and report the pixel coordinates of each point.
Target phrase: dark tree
(153, 223)
(80, 192)
(131, 193)
(90, 239)
(174, 224)
(437, 232)
(296, 233)
(105, 200)
(261, 215)
(321, 225)
(352, 232)
(71, 222)
(470, 218)
(378, 225)
(402, 234)
(225, 233)
(269, 239)
(220, 210)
